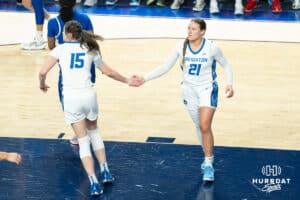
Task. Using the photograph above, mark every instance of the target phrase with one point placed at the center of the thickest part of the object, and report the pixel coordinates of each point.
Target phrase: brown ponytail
(186, 41)
(87, 39)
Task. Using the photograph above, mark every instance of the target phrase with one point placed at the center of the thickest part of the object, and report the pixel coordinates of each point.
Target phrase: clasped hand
(136, 81)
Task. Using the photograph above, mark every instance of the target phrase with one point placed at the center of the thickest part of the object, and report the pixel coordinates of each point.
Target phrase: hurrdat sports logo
(272, 179)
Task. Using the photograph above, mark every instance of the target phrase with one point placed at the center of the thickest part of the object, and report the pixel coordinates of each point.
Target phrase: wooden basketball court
(263, 113)
(256, 132)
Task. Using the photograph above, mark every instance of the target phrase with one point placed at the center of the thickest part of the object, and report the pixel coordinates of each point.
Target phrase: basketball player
(66, 13)
(199, 88)
(11, 157)
(36, 6)
(75, 57)
(55, 35)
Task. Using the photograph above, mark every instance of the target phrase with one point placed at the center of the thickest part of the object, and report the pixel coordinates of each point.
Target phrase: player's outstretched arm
(105, 69)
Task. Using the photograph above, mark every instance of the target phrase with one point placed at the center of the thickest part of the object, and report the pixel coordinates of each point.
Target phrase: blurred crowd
(240, 6)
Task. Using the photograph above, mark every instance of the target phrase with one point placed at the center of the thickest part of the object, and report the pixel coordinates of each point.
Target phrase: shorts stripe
(60, 88)
(214, 95)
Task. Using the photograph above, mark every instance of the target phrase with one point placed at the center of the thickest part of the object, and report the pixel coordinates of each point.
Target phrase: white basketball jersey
(200, 65)
(75, 63)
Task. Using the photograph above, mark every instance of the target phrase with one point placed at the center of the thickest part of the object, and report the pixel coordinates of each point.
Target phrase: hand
(229, 91)
(44, 87)
(14, 157)
(136, 81)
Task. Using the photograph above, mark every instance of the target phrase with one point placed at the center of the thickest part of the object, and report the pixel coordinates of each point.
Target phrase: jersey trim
(198, 51)
(59, 28)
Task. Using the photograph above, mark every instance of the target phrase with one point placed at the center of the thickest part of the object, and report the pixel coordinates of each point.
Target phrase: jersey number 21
(194, 69)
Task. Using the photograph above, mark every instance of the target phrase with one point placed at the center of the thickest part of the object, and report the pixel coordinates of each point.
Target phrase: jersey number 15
(77, 60)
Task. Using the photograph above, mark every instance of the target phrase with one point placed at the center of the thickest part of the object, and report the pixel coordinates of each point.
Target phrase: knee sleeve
(96, 139)
(195, 117)
(84, 147)
(38, 7)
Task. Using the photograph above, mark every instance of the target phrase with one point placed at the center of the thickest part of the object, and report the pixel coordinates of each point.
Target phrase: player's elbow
(51, 46)
(51, 43)
(42, 74)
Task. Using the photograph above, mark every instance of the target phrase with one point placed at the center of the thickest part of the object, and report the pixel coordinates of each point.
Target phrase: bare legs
(87, 134)
(206, 117)
(86, 159)
(28, 4)
(36, 6)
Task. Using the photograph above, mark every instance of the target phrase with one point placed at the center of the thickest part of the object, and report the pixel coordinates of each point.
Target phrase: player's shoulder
(81, 16)
(93, 53)
(68, 47)
(64, 46)
(59, 47)
(209, 42)
(52, 21)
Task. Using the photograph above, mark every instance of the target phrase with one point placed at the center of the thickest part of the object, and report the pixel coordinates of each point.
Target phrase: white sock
(104, 166)
(209, 160)
(93, 179)
(39, 35)
(238, 3)
(199, 1)
(214, 1)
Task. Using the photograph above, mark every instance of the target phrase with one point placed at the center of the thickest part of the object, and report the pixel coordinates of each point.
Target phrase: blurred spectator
(36, 6)
(88, 3)
(296, 4)
(134, 2)
(199, 5)
(213, 7)
(251, 4)
(19, 2)
(110, 2)
(77, 1)
(158, 2)
(113, 2)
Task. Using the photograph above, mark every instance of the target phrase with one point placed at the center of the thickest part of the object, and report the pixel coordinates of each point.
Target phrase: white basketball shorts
(195, 97)
(80, 104)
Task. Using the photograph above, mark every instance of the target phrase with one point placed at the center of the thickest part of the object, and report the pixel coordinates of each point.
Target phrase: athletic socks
(209, 160)
(93, 179)
(104, 166)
